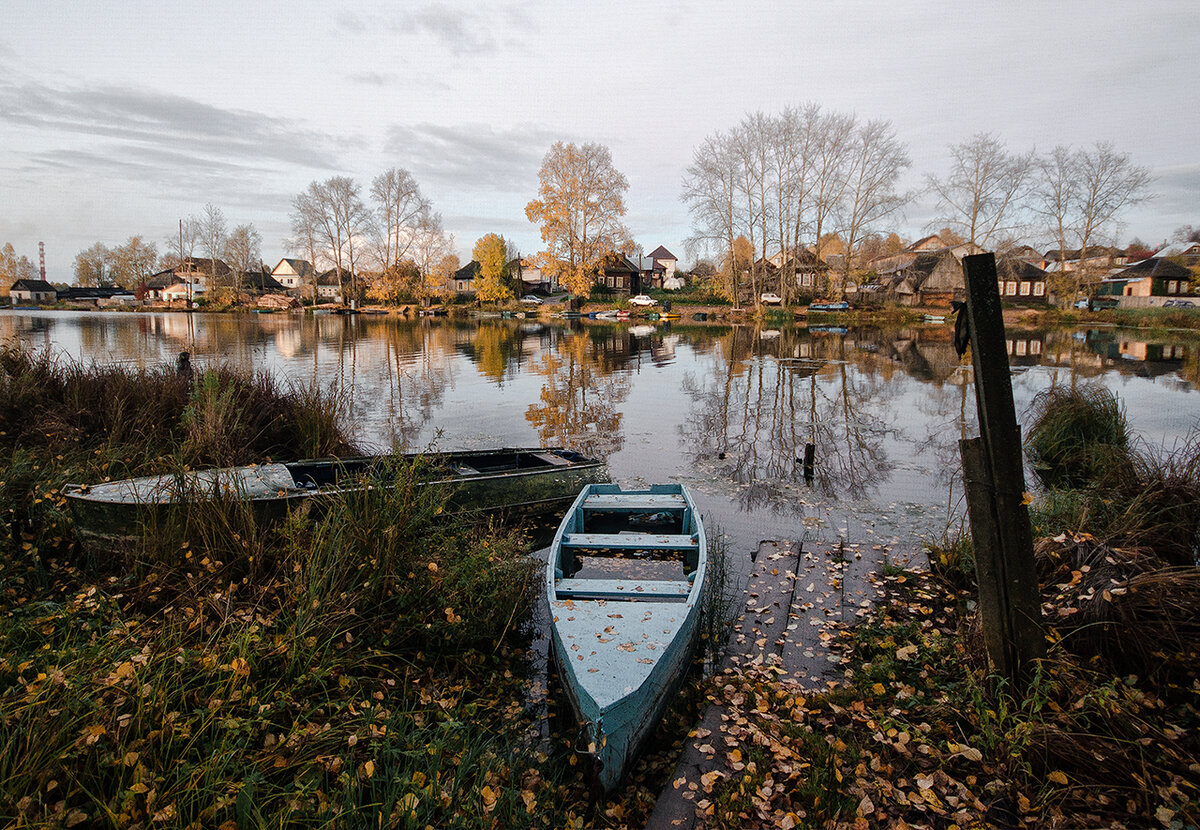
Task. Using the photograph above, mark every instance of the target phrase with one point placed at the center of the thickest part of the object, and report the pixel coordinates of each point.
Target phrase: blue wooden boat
(828, 307)
(624, 581)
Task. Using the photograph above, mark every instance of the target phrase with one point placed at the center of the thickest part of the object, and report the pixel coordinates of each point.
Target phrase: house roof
(83, 293)
(25, 284)
(922, 244)
(333, 277)
(661, 253)
(470, 271)
(1015, 268)
(302, 267)
(616, 264)
(1155, 267)
(160, 280)
(204, 265)
(262, 281)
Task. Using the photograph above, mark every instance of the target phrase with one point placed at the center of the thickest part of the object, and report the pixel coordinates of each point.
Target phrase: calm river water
(724, 409)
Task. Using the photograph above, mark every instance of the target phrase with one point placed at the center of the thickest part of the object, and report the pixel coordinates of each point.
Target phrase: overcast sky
(120, 118)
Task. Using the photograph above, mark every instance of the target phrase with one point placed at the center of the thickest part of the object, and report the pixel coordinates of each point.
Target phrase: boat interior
(330, 472)
(629, 546)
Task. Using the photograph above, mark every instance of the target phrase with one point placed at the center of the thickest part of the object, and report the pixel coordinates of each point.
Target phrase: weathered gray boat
(624, 582)
(525, 481)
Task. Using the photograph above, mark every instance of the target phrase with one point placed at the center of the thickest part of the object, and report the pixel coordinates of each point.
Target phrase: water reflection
(579, 403)
(733, 406)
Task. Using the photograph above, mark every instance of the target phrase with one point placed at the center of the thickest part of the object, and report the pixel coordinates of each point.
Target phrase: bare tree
(981, 196)
(399, 209)
(710, 190)
(875, 161)
(181, 245)
(331, 217)
(754, 145)
(1079, 195)
(431, 249)
(243, 251)
(213, 232)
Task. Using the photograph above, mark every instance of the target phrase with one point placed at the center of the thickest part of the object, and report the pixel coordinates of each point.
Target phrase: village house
(332, 285)
(1020, 281)
(651, 273)
(293, 273)
(183, 292)
(531, 276)
(620, 274)
(260, 282)
(1151, 282)
(465, 277)
(664, 258)
(32, 291)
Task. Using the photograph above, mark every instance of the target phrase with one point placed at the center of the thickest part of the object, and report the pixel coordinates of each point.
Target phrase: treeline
(788, 181)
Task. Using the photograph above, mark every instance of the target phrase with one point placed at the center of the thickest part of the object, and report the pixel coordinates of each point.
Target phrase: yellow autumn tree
(579, 207)
(493, 269)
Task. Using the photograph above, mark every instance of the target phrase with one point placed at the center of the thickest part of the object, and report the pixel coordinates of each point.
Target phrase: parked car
(643, 300)
(771, 298)
(531, 299)
(1082, 303)
(1179, 304)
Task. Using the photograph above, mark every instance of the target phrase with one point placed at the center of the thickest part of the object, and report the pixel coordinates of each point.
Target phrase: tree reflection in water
(764, 399)
(579, 406)
(418, 374)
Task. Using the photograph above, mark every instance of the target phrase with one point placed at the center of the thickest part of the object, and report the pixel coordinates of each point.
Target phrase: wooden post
(995, 485)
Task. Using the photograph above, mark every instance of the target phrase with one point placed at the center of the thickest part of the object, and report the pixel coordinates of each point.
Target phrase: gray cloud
(466, 30)
(379, 79)
(171, 123)
(1176, 186)
(473, 156)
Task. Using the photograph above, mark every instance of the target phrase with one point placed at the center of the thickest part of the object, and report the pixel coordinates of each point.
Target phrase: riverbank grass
(366, 665)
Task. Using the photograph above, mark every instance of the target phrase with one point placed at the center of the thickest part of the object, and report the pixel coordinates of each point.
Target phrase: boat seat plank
(635, 501)
(551, 458)
(629, 541)
(618, 589)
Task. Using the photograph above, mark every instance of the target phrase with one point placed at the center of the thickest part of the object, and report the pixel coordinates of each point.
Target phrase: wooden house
(1020, 281)
(620, 274)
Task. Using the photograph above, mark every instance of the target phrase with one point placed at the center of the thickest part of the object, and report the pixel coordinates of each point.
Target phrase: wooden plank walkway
(791, 600)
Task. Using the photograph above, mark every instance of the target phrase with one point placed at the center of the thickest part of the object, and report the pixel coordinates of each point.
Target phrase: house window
(1035, 346)
(1172, 287)
(1024, 289)
(1000, 287)
(1039, 289)
(1022, 347)
(1011, 289)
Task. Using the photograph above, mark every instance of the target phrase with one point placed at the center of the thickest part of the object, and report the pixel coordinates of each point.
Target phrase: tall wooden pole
(1008, 591)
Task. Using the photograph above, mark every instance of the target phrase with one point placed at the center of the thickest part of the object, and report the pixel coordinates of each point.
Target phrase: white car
(531, 299)
(642, 299)
(771, 298)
